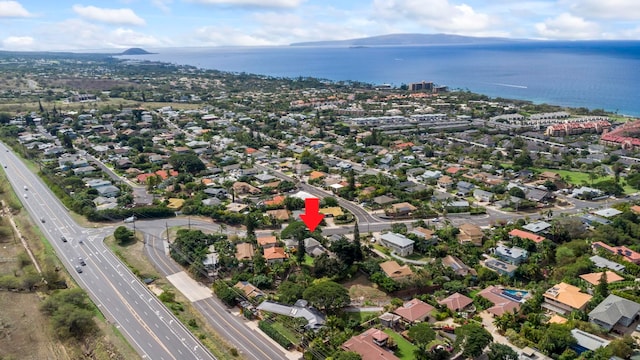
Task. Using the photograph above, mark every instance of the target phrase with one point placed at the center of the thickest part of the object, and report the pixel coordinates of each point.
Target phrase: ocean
(592, 74)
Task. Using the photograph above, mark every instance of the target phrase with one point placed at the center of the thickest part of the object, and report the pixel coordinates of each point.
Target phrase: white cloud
(607, 9)
(257, 3)
(220, 36)
(12, 9)
(436, 15)
(162, 5)
(17, 43)
(110, 16)
(567, 26)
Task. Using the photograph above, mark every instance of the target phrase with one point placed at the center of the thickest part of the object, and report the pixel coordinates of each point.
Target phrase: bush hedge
(274, 334)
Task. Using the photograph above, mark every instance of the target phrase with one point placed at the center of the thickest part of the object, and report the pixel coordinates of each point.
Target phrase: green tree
(556, 339)
(327, 295)
(523, 160)
(71, 314)
(347, 355)
(186, 162)
(123, 235)
(471, 339)
(300, 252)
(289, 292)
(501, 352)
(347, 251)
(602, 289)
(517, 192)
(422, 333)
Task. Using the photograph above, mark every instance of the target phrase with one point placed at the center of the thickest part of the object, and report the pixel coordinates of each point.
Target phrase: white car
(25, 196)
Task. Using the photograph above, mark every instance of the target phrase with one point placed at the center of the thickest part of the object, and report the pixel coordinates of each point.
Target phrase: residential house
(426, 234)
(602, 263)
(537, 227)
(396, 272)
(587, 342)
(389, 320)
(615, 311)
(244, 252)
(401, 209)
(470, 234)
(370, 345)
(108, 191)
(456, 302)
(608, 212)
(458, 266)
(526, 235)
(595, 278)
(275, 255)
(279, 214)
(628, 254)
(249, 290)
(464, 188)
(313, 247)
(538, 195)
(501, 303)
(482, 195)
(267, 241)
(414, 311)
(500, 267)
(512, 255)
(384, 200)
(445, 182)
(564, 298)
(240, 188)
(301, 309)
(398, 243)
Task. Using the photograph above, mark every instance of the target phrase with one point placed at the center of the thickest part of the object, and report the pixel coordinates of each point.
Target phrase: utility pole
(167, 225)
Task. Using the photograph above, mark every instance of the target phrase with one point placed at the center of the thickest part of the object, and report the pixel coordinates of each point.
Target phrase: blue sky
(92, 25)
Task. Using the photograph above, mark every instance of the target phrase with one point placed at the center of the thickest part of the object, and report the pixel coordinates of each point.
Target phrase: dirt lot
(23, 330)
(362, 291)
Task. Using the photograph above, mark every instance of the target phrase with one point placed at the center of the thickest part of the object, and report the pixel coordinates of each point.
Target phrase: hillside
(408, 39)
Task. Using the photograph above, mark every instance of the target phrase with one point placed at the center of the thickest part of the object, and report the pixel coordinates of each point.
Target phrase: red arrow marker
(312, 217)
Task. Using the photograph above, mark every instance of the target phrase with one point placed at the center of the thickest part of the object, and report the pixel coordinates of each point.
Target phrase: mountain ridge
(410, 39)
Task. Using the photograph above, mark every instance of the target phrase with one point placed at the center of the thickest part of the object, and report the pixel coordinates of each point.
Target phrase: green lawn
(579, 178)
(286, 332)
(362, 316)
(405, 348)
(574, 177)
(308, 260)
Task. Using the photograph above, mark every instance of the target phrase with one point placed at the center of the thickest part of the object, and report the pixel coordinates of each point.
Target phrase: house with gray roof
(615, 310)
(601, 262)
(512, 255)
(537, 227)
(398, 243)
(301, 309)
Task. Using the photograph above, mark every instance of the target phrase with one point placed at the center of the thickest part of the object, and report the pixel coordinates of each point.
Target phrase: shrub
(274, 334)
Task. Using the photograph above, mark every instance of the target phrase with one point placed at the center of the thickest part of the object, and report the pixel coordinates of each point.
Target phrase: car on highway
(25, 196)
(42, 220)
(81, 261)
(78, 268)
(64, 239)
(26, 188)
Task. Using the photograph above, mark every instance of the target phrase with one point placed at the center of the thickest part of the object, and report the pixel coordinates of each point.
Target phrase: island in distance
(409, 39)
(135, 51)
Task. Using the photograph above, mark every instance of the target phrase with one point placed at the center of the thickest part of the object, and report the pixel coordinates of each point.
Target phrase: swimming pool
(517, 295)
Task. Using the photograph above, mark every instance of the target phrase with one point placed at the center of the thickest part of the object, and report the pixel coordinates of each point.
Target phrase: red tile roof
(364, 346)
(527, 235)
(414, 310)
(456, 302)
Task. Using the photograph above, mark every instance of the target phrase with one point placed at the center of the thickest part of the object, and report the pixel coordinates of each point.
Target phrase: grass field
(286, 332)
(19, 107)
(579, 178)
(405, 348)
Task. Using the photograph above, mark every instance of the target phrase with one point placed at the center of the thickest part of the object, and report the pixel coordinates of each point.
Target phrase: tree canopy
(471, 339)
(327, 295)
(186, 162)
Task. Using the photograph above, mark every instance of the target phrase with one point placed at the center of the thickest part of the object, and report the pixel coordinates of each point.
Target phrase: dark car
(79, 269)
(64, 239)
(81, 261)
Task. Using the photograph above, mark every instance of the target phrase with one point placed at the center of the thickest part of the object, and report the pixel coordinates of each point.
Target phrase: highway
(234, 329)
(126, 302)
